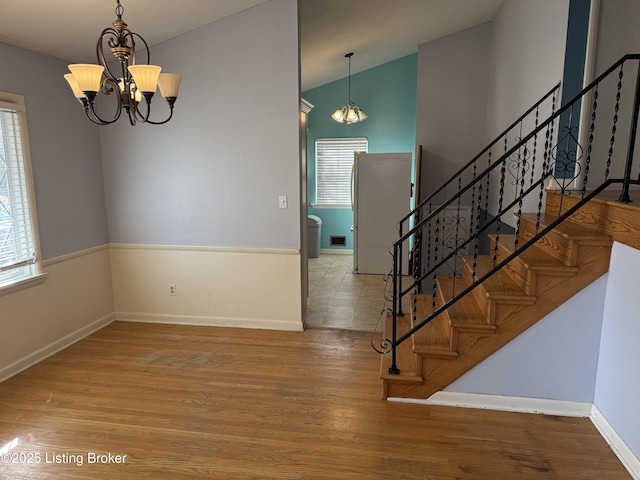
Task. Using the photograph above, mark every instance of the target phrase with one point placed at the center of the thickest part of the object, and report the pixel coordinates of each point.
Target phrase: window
(334, 164)
(19, 253)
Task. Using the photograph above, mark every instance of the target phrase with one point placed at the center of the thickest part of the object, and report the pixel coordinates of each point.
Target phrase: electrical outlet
(172, 289)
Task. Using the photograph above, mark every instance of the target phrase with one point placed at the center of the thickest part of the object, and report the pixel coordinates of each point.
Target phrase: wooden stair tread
(534, 258)
(465, 314)
(499, 286)
(406, 361)
(570, 230)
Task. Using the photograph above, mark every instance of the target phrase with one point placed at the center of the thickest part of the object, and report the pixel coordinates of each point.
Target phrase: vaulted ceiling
(377, 31)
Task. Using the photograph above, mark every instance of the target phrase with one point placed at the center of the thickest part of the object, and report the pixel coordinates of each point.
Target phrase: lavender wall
(617, 388)
(65, 153)
(212, 176)
(555, 359)
(453, 74)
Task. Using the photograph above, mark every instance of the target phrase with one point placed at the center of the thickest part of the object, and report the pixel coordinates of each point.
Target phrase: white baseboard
(509, 404)
(336, 251)
(617, 444)
(53, 348)
(255, 323)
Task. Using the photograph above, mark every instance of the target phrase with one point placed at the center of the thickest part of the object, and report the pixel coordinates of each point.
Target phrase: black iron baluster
(429, 224)
(477, 234)
(417, 260)
(435, 262)
(592, 128)
(393, 369)
(548, 156)
(503, 170)
(520, 199)
(486, 196)
(399, 290)
(456, 237)
(545, 159)
(473, 197)
(614, 127)
(535, 148)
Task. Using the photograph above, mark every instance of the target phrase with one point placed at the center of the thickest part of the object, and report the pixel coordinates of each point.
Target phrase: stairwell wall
(453, 74)
(527, 60)
(617, 388)
(555, 359)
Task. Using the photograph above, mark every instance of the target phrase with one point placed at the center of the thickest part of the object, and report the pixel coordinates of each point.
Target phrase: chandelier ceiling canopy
(131, 83)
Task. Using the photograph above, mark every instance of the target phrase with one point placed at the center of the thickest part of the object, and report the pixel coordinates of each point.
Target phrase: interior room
(181, 297)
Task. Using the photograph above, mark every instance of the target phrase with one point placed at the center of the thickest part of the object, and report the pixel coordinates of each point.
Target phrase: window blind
(334, 163)
(17, 249)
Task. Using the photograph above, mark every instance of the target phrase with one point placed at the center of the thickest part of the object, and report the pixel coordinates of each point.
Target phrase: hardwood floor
(196, 402)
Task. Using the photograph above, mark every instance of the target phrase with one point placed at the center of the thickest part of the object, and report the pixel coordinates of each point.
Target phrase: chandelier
(350, 113)
(131, 82)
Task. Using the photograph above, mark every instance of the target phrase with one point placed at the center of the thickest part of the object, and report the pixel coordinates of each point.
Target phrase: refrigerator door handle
(353, 171)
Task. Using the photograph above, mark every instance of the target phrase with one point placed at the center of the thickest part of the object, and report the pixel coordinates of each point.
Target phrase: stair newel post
(393, 369)
(624, 196)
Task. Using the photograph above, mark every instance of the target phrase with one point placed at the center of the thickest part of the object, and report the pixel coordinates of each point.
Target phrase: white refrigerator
(381, 197)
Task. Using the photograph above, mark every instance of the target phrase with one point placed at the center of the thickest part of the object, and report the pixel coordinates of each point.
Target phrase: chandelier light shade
(349, 113)
(132, 87)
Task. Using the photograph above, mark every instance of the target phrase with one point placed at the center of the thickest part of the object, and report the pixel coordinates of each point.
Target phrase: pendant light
(349, 113)
(133, 84)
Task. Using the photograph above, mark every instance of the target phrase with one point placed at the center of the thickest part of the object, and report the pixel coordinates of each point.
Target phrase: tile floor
(341, 299)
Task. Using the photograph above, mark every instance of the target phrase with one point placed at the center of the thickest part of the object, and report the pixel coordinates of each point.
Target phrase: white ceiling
(377, 31)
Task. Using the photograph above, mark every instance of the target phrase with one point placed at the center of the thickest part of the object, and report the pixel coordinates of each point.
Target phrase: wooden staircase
(570, 257)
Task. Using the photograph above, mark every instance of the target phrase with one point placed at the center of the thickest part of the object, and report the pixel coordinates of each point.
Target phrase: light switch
(282, 199)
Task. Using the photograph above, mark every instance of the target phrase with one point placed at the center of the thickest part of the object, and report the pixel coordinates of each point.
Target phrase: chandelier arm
(137, 113)
(133, 43)
(108, 86)
(164, 121)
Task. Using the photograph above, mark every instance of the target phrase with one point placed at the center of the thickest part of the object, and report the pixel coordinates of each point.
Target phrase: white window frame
(20, 258)
(334, 170)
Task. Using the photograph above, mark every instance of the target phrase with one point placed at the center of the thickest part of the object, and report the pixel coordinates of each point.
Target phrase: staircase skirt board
(530, 286)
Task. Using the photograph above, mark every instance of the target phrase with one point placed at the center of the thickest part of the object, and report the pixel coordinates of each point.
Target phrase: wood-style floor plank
(196, 402)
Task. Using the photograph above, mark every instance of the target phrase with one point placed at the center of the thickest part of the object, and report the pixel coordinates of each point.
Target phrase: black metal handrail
(562, 153)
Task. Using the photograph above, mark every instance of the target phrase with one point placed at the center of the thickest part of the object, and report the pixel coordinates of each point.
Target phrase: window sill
(22, 284)
(331, 205)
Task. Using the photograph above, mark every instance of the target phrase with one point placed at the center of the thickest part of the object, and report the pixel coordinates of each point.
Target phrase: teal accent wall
(388, 94)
